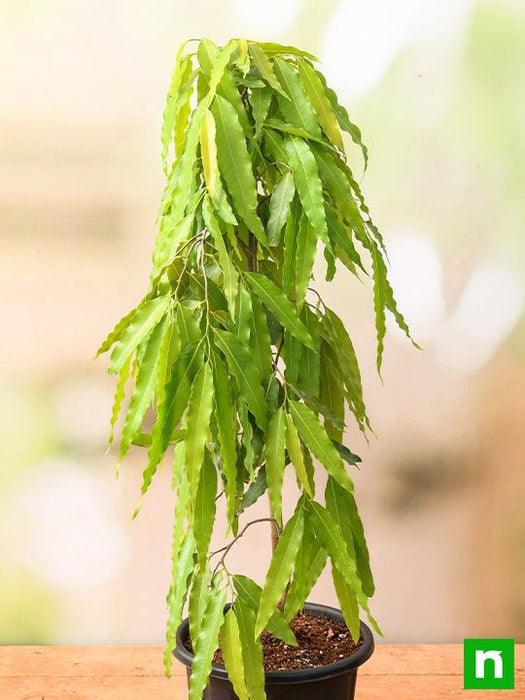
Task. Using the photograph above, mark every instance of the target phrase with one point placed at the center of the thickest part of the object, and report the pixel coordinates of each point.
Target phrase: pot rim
(337, 668)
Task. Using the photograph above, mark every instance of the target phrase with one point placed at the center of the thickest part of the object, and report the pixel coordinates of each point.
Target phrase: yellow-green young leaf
(144, 390)
(227, 427)
(219, 66)
(280, 200)
(210, 166)
(281, 567)
(204, 510)
(182, 566)
(297, 110)
(140, 326)
(295, 452)
(174, 231)
(118, 330)
(207, 642)
(251, 594)
(197, 425)
(342, 507)
(304, 259)
(348, 602)
(260, 343)
(183, 116)
(235, 165)
(198, 599)
(281, 307)
(251, 649)
(117, 401)
(272, 48)
(316, 93)
(308, 184)
(265, 68)
(247, 374)
(168, 353)
(274, 455)
(180, 75)
(317, 441)
(309, 565)
(232, 655)
(230, 276)
(261, 100)
(188, 327)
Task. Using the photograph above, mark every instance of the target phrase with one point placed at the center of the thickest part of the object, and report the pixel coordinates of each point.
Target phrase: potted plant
(245, 372)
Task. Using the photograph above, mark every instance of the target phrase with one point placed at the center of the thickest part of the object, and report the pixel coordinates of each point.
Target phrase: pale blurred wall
(438, 89)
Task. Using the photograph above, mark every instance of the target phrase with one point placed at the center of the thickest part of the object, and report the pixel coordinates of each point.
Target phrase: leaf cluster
(233, 360)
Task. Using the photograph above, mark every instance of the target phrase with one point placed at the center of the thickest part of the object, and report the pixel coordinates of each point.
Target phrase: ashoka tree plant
(235, 360)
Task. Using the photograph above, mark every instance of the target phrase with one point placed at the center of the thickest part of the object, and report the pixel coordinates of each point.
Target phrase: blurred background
(439, 92)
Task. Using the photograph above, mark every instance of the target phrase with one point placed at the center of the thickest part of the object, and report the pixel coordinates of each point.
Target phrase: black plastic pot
(331, 682)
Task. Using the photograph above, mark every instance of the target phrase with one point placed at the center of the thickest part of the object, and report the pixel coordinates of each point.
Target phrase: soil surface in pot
(320, 642)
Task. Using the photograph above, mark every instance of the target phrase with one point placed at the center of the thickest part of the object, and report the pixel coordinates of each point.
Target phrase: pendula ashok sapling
(244, 368)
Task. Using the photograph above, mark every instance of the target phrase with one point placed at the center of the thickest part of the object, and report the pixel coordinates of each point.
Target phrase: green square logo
(488, 664)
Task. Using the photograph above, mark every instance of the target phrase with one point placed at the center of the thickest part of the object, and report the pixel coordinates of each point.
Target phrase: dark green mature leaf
(139, 327)
(346, 454)
(332, 392)
(248, 375)
(254, 491)
(231, 653)
(197, 425)
(343, 243)
(251, 648)
(281, 198)
(205, 506)
(281, 567)
(261, 100)
(288, 268)
(315, 438)
(243, 315)
(297, 110)
(304, 258)
(310, 361)
(285, 128)
(274, 455)
(260, 338)
(235, 165)
(276, 302)
(207, 642)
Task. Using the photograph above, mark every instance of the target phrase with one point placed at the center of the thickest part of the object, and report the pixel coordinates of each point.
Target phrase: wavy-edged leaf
(264, 66)
(308, 184)
(261, 100)
(230, 276)
(118, 330)
(281, 307)
(277, 624)
(309, 565)
(343, 243)
(210, 166)
(342, 507)
(318, 406)
(248, 452)
(231, 653)
(139, 327)
(168, 353)
(117, 401)
(274, 455)
(248, 375)
(348, 602)
(346, 454)
(281, 567)
(293, 445)
(182, 566)
(254, 491)
(285, 128)
(274, 48)
(197, 425)
(226, 422)
(296, 110)
(207, 642)
(310, 360)
(174, 100)
(280, 201)
(306, 247)
(332, 392)
(316, 93)
(243, 314)
(251, 648)
(235, 165)
(198, 599)
(144, 390)
(315, 438)
(260, 338)
(205, 507)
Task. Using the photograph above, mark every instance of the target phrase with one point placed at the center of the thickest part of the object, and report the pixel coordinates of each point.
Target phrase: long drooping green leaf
(251, 593)
(332, 392)
(252, 654)
(260, 343)
(348, 601)
(280, 200)
(254, 491)
(274, 454)
(118, 330)
(248, 451)
(226, 422)
(197, 425)
(205, 506)
(174, 102)
(304, 260)
(117, 401)
(281, 567)
(315, 91)
(243, 315)
(308, 184)
(310, 361)
(315, 438)
(198, 598)
(140, 326)
(342, 507)
(207, 642)
(309, 565)
(169, 351)
(235, 165)
(143, 391)
(342, 241)
(275, 301)
(230, 276)
(261, 101)
(232, 655)
(182, 558)
(246, 372)
(210, 166)
(272, 48)
(265, 68)
(293, 445)
(297, 110)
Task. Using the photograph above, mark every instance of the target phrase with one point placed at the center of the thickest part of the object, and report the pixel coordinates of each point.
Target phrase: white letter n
(481, 658)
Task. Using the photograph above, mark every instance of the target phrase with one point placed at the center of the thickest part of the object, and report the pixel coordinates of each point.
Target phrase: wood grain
(395, 672)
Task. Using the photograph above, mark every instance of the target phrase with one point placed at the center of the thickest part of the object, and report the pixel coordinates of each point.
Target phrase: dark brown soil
(321, 641)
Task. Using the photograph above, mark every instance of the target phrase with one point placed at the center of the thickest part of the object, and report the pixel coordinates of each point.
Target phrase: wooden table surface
(395, 672)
